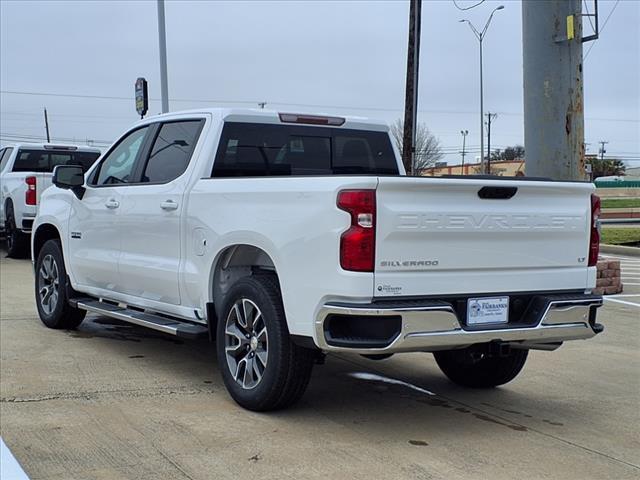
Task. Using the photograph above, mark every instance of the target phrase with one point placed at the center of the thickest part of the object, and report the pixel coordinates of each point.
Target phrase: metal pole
(553, 90)
(482, 168)
(162, 39)
(464, 141)
(46, 125)
(480, 36)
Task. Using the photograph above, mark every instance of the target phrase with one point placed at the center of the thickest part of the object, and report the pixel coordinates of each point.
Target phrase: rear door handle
(111, 203)
(169, 205)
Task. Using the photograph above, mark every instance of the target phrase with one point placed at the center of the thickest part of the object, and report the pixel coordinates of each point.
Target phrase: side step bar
(149, 320)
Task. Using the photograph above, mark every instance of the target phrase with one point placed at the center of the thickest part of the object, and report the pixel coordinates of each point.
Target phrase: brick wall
(608, 280)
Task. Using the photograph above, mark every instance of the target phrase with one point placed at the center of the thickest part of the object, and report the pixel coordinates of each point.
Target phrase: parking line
(379, 378)
(629, 283)
(624, 295)
(622, 301)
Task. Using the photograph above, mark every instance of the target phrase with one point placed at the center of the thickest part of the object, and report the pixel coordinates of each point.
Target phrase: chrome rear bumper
(434, 325)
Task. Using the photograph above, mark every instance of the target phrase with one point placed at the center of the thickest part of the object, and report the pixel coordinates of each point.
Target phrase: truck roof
(259, 115)
(53, 146)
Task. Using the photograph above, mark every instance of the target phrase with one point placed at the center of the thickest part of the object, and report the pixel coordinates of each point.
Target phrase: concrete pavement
(112, 401)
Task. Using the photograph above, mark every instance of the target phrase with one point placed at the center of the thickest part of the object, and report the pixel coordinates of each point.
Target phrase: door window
(171, 151)
(117, 167)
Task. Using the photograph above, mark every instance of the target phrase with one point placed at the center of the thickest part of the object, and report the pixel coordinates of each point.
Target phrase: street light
(464, 138)
(480, 36)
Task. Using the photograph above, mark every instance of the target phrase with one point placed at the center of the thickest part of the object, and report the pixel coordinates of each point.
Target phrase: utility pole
(464, 138)
(602, 150)
(411, 90)
(162, 40)
(490, 118)
(553, 90)
(262, 105)
(46, 125)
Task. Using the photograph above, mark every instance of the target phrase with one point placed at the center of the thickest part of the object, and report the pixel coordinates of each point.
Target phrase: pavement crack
(96, 394)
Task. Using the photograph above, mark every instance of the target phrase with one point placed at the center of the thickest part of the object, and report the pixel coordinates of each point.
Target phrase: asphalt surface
(111, 401)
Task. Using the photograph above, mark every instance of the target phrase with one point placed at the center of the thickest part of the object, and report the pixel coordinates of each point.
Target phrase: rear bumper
(414, 326)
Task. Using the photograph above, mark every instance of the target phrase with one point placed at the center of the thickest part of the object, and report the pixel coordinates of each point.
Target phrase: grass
(620, 202)
(621, 236)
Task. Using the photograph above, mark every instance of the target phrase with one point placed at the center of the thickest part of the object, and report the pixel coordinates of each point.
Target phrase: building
(503, 168)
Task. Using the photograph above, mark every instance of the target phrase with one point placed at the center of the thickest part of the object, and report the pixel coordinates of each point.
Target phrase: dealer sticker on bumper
(481, 311)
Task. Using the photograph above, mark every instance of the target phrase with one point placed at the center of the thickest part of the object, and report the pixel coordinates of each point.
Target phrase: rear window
(33, 160)
(255, 149)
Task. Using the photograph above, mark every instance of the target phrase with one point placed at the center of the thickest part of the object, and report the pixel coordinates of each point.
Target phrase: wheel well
(233, 263)
(44, 233)
(8, 205)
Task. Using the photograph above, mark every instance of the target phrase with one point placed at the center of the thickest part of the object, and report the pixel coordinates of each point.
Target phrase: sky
(80, 60)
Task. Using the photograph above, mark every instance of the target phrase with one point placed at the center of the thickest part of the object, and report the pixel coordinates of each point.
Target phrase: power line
(467, 8)
(311, 105)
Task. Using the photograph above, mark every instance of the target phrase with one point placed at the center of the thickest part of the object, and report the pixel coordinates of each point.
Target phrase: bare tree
(428, 150)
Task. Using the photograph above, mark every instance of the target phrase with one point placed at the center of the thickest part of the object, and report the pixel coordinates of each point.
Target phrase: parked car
(25, 172)
(286, 236)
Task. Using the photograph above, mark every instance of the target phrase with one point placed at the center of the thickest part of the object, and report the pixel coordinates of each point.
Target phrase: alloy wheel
(246, 344)
(48, 284)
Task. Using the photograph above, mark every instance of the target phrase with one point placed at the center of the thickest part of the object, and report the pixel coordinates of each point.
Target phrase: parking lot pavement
(112, 401)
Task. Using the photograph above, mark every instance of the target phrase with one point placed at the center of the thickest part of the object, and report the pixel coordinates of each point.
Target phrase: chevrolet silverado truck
(25, 172)
(284, 237)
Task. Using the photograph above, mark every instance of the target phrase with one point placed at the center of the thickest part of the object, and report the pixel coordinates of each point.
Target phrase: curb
(620, 250)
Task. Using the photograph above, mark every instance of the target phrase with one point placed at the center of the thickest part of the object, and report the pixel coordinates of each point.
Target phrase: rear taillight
(358, 244)
(594, 240)
(30, 194)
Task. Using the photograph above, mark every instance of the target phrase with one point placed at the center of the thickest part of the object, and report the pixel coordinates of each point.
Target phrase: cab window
(171, 151)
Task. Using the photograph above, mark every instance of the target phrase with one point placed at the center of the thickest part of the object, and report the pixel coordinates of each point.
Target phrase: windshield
(35, 160)
(254, 149)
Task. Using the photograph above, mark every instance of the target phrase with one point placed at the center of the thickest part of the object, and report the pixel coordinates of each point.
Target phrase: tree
(605, 167)
(428, 149)
(510, 153)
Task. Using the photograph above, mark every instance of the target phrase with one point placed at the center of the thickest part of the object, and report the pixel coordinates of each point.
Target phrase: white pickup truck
(286, 236)
(25, 172)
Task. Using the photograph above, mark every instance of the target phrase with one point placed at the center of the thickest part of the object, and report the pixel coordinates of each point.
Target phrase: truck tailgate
(437, 236)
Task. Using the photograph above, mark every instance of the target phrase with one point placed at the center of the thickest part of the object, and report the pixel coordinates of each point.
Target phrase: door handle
(169, 205)
(111, 203)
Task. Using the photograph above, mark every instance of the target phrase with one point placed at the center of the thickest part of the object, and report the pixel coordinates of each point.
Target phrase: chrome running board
(153, 321)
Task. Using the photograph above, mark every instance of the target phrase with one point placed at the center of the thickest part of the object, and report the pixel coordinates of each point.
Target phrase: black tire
(469, 368)
(58, 314)
(287, 370)
(17, 242)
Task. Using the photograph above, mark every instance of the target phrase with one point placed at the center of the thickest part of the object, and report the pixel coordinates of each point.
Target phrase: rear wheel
(17, 242)
(51, 289)
(470, 367)
(260, 365)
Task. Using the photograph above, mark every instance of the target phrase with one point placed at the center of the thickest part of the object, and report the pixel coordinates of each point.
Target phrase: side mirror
(70, 177)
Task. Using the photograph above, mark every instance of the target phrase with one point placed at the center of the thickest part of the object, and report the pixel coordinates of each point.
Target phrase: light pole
(464, 138)
(480, 36)
(162, 41)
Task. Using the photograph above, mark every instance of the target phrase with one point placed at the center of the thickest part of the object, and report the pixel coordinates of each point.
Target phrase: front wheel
(260, 365)
(51, 291)
(471, 367)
